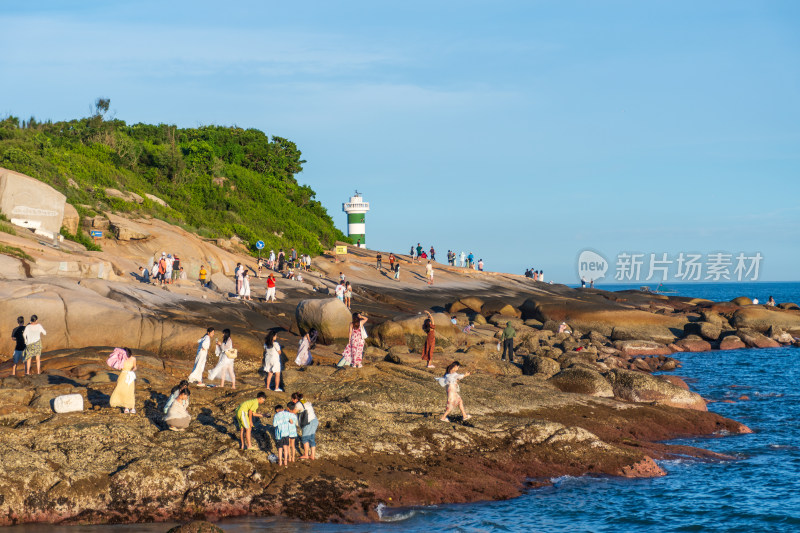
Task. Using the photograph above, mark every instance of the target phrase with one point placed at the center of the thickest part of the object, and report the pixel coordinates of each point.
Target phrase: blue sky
(523, 131)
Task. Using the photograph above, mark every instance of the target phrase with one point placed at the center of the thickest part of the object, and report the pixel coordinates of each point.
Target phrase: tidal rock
(789, 306)
(754, 339)
(742, 300)
(540, 365)
(707, 330)
(731, 342)
(329, 316)
(778, 335)
(639, 347)
(762, 318)
(694, 344)
(197, 526)
(655, 333)
(582, 380)
(636, 386)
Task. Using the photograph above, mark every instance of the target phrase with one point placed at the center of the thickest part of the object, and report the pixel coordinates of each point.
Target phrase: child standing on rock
(450, 383)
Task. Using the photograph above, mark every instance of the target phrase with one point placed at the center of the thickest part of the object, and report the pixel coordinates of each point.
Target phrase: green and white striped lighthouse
(356, 210)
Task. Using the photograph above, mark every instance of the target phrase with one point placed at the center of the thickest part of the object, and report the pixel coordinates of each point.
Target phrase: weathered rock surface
(761, 319)
(405, 329)
(636, 386)
(71, 219)
(640, 347)
(582, 381)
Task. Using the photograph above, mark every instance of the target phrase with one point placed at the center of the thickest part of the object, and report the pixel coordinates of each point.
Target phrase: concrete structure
(29, 203)
(356, 210)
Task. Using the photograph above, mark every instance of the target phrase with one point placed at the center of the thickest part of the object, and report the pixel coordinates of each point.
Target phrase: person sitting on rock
(174, 393)
(178, 416)
(770, 302)
(450, 382)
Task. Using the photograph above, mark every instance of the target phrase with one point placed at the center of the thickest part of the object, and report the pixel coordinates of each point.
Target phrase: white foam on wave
(388, 514)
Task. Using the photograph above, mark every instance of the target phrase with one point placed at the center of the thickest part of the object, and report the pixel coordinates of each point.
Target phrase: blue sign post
(96, 233)
(260, 245)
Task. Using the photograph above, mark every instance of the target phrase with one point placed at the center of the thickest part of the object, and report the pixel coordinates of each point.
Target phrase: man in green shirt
(508, 342)
(244, 417)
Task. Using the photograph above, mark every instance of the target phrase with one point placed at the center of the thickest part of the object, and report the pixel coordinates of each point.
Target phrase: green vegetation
(5, 227)
(13, 251)
(81, 238)
(217, 181)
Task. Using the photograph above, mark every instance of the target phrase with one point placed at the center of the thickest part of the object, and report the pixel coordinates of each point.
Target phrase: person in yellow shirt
(203, 276)
(244, 417)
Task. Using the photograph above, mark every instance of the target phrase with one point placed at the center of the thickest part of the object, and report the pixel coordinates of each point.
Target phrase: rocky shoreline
(579, 403)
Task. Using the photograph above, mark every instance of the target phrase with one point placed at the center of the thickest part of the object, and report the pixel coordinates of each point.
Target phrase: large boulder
(101, 313)
(789, 306)
(655, 333)
(582, 380)
(634, 386)
(540, 365)
(731, 342)
(760, 319)
(501, 308)
(471, 303)
(590, 312)
(708, 330)
(127, 231)
(742, 300)
(754, 339)
(329, 316)
(407, 329)
(693, 343)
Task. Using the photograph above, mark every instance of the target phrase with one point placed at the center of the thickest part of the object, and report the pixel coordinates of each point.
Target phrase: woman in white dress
(200, 359)
(272, 360)
(304, 351)
(244, 290)
(225, 364)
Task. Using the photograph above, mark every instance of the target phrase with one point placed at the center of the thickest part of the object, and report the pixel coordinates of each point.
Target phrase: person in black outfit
(19, 347)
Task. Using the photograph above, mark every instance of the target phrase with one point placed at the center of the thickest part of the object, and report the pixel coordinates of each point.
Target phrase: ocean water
(757, 491)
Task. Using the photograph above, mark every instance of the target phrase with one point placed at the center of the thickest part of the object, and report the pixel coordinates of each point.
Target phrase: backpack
(117, 358)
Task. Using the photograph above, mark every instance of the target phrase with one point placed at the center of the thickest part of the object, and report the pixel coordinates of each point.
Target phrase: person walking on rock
(480, 265)
(272, 360)
(244, 289)
(429, 327)
(391, 262)
(397, 271)
(124, 393)
(378, 261)
(203, 276)
(33, 344)
(419, 251)
(178, 417)
(450, 383)
(463, 259)
(18, 336)
(200, 359)
(227, 355)
(433, 254)
(508, 342)
(429, 273)
(244, 419)
(348, 293)
(354, 350)
(270, 288)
